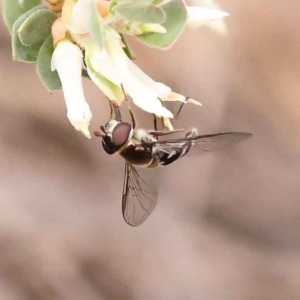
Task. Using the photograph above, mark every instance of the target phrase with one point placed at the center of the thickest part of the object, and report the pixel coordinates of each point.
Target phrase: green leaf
(36, 28)
(43, 66)
(21, 52)
(176, 17)
(141, 12)
(96, 28)
(13, 9)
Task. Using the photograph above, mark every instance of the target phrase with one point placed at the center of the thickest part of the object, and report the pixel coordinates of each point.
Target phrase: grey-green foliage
(13, 9)
(141, 12)
(36, 16)
(176, 16)
(36, 28)
(43, 66)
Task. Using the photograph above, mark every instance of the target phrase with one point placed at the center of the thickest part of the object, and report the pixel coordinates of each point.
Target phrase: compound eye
(120, 134)
(108, 145)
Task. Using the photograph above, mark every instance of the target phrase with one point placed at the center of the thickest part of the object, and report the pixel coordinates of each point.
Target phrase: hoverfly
(142, 148)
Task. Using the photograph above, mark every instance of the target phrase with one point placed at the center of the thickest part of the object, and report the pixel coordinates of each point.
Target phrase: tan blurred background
(227, 224)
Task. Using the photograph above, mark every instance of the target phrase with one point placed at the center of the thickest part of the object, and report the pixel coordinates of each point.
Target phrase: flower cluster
(74, 38)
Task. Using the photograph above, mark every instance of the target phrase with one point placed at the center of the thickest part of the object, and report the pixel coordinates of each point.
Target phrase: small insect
(142, 148)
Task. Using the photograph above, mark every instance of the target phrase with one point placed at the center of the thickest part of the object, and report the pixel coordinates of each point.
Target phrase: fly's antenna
(98, 134)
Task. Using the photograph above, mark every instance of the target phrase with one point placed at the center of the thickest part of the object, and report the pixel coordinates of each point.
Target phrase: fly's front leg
(111, 108)
(118, 116)
(129, 108)
(114, 109)
(155, 122)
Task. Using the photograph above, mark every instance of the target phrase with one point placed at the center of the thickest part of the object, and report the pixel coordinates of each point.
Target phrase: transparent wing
(219, 141)
(139, 198)
(204, 143)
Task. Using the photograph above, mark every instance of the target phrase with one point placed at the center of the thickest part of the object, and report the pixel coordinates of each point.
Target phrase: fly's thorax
(117, 136)
(142, 135)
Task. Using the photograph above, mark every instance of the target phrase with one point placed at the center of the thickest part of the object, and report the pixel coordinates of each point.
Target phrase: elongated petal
(144, 97)
(103, 73)
(168, 124)
(80, 20)
(163, 91)
(102, 63)
(199, 16)
(142, 94)
(67, 60)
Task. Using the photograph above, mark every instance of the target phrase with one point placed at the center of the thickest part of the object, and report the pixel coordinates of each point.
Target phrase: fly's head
(116, 135)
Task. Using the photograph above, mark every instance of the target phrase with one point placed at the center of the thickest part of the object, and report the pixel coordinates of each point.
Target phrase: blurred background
(227, 224)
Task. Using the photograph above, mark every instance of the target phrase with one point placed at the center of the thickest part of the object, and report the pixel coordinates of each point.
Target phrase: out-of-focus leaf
(37, 27)
(141, 12)
(13, 9)
(176, 17)
(43, 66)
(21, 52)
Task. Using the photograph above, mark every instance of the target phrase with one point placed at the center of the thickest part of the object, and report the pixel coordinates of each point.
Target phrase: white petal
(80, 21)
(161, 89)
(199, 16)
(168, 124)
(144, 97)
(137, 87)
(102, 64)
(67, 60)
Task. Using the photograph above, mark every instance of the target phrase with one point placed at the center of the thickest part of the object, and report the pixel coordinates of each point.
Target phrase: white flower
(107, 65)
(80, 17)
(199, 16)
(67, 60)
(142, 94)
